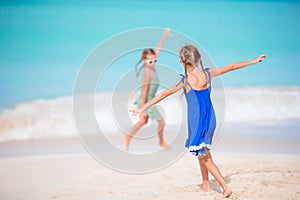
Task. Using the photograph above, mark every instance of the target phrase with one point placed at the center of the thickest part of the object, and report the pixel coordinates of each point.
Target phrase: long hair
(190, 55)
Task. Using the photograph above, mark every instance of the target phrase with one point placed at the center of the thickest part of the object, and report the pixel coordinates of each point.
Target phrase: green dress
(152, 112)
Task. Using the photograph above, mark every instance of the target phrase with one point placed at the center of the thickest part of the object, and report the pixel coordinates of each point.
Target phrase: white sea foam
(262, 104)
(54, 117)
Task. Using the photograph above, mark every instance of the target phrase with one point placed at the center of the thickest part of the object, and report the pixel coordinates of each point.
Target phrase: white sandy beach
(74, 174)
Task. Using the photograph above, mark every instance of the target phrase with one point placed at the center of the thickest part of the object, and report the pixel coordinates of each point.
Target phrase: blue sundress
(201, 119)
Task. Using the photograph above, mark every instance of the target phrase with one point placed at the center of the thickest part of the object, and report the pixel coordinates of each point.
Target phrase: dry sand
(76, 175)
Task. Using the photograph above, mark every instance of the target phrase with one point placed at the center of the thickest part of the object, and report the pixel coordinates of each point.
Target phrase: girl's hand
(258, 59)
(135, 111)
(166, 33)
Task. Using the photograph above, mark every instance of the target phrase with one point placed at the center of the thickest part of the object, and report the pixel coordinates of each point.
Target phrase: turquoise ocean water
(43, 43)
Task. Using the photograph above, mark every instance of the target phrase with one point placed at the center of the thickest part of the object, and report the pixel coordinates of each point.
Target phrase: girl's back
(198, 80)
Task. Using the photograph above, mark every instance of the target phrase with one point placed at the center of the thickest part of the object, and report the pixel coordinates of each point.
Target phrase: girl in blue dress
(196, 84)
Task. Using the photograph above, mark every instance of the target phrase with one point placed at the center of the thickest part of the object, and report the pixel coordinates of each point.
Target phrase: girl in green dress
(149, 88)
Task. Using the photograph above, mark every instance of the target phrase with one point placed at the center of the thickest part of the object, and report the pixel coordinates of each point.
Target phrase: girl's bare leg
(214, 170)
(134, 129)
(160, 130)
(204, 172)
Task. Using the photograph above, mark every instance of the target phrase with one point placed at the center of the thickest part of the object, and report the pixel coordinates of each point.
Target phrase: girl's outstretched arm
(160, 96)
(234, 66)
(165, 36)
(145, 88)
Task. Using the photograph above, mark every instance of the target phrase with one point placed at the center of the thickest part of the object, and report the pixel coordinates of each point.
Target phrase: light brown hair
(190, 55)
(147, 52)
(144, 56)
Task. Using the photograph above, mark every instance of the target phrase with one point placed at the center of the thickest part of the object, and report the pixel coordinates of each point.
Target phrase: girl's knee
(205, 158)
(161, 123)
(142, 122)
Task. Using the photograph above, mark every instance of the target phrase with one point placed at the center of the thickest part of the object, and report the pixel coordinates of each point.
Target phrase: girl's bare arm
(235, 66)
(165, 36)
(145, 87)
(160, 96)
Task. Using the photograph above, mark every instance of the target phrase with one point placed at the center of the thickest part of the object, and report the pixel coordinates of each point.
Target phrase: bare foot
(227, 193)
(164, 145)
(205, 188)
(126, 141)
